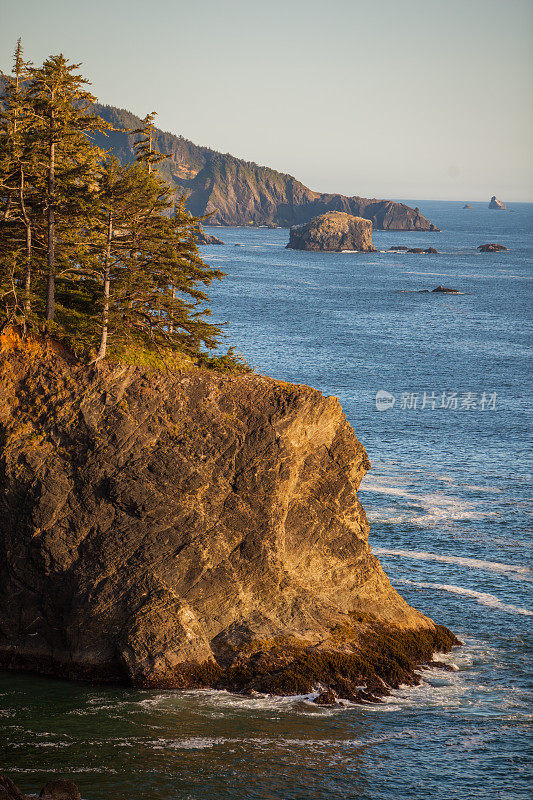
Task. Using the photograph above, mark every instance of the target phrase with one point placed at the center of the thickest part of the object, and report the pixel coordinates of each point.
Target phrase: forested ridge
(233, 191)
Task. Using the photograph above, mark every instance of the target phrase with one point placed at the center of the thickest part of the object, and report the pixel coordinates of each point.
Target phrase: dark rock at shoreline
(8, 790)
(399, 247)
(190, 529)
(326, 698)
(491, 248)
(431, 251)
(206, 238)
(446, 290)
(496, 205)
(56, 789)
(428, 250)
(60, 789)
(334, 231)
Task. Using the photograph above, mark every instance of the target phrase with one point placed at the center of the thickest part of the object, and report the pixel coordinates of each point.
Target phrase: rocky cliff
(237, 192)
(335, 231)
(190, 529)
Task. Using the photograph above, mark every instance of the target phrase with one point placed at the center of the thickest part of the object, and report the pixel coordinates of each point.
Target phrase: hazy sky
(396, 98)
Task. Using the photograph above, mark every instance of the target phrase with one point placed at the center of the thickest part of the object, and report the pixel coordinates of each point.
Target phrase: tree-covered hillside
(238, 192)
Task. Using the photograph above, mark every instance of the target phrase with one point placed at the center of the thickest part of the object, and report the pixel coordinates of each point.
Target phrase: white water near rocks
(448, 499)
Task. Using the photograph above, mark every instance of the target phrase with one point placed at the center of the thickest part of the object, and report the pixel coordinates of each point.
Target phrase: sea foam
(484, 598)
(512, 570)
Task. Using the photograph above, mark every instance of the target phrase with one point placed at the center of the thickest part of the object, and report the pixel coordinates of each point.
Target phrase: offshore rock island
(237, 192)
(190, 529)
(335, 231)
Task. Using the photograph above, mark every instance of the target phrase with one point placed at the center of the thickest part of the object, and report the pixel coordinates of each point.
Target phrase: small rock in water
(467, 205)
(60, 789)
(206, 238)
(326, 698)
(446, 290)
(432, 251)
(491, 247)
(399, 247)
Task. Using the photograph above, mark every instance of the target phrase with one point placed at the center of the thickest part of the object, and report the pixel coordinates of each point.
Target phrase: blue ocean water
(449, 502)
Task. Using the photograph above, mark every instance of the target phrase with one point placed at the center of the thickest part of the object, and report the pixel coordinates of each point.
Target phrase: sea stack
(190, 528)
(335, 231)
(495, 204)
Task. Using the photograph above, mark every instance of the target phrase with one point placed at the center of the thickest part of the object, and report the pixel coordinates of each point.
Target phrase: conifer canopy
(100, 255)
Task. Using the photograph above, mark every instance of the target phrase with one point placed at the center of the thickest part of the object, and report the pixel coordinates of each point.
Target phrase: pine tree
(149, 266)
(103, 247)
(18, 178)
(144, 146)
(63, 120)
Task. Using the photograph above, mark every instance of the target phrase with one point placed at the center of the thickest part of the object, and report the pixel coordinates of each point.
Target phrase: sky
(414, 99)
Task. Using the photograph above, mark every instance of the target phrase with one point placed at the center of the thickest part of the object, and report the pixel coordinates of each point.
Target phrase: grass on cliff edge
(144, 356)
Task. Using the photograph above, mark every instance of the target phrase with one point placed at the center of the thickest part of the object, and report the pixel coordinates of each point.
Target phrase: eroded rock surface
(496, 204)
(190, 529)
(335, 231)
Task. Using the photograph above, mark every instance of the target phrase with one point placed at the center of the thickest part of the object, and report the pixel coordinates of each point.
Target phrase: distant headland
(237, 192)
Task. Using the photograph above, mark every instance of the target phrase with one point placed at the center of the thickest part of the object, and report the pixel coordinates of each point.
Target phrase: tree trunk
(50, 292)
(105, 311)
(27, 223)
(171, 325)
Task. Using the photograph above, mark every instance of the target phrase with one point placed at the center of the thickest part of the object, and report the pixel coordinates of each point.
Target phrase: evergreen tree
(149, 266)
(18, 179)
(102, 247)
(144, 146)
(63, 121)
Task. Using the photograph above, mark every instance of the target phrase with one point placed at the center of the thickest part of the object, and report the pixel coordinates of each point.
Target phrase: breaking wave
(484, 598)
(512, 570)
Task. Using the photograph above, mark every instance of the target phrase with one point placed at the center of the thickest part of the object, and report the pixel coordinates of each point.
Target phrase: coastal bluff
(334, 231)
(190, 529)
(232, 191)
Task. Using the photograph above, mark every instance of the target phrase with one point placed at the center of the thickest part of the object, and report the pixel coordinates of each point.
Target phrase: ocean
(438, 389)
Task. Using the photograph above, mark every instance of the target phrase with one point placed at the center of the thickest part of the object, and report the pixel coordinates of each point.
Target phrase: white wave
(219, 702)
(423, 509)
(484, 598)
(512, 570)
(190, 743)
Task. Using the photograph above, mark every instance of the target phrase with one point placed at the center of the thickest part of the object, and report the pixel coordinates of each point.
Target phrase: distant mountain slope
(238, 192)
